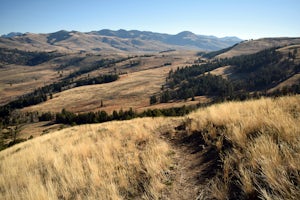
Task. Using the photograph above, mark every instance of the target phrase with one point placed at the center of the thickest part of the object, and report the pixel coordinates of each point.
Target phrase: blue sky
(243, 18)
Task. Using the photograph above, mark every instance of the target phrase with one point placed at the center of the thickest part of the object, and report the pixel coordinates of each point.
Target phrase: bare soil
(193, 164)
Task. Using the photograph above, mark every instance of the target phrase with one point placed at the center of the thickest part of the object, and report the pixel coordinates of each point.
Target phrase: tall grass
(258, 145)
(109, 161)
(249, 150)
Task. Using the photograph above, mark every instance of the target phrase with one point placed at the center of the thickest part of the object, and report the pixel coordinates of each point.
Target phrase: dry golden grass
(132, 90)
(234, 150)
(288, 82)
(222, 71)
(258, 145)
(174, 104)
(114, 160)
(39, 128)
(253, 46)
(16, 80)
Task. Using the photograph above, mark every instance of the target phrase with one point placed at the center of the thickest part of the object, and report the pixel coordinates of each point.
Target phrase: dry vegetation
(234, 150)
(254, 46)
(16, 80)
(109, 161)
(132, 90)
(226, 71)
(257, 146)
(287, 83)
(143, 80)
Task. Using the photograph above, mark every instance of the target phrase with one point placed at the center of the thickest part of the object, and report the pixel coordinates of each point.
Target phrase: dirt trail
(190, 166)
(185, 184)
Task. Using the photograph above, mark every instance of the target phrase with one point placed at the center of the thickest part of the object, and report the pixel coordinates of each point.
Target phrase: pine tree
(153, 99)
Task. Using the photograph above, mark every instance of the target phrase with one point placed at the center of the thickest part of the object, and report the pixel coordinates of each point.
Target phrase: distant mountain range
(115, 41)
(12, 34)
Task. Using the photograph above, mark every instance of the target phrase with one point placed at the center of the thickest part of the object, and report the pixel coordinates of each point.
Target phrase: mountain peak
(58, 36)
(127, 40)
(12, 34)
(185, 33)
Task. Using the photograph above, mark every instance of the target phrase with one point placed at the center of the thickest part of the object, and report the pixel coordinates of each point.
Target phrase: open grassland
(254, 46)
(16, 80)
(221, 71)
(286, 51)
(142, 76)
(256, 148)
(288, 82)
(132, 90)
(234, 150)
(108, 161)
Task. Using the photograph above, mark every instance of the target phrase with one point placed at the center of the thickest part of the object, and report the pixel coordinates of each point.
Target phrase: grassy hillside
(133, 89)
(234, 150)
(254, 46)
(243, 76)
(115, 41)
(255, 148)
(107, 161)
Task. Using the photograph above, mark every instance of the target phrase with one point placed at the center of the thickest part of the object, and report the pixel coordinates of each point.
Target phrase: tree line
(256, 72)
(213, 54)
(30, 58)
(103, 63)
(16, 119)
(68, 117)
(71, 118)
(46, 92)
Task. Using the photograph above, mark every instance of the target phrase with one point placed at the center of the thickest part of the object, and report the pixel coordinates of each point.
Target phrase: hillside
(136, 72)
(114, 41)
(272, 71)
(254, 46)
(87, 82)
(225, 151)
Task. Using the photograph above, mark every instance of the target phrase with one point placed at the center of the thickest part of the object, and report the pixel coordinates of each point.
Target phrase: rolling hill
(146, 75)
(12, 34)
(114, 41)
(51, 83)
(225, 151)
(254, 46)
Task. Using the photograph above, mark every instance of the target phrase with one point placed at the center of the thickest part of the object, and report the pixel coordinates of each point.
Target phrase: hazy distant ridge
(11, 34)
(185, 38)
(120, 40)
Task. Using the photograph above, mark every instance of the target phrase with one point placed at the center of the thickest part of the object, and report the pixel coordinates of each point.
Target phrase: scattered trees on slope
(15, 56)
(42, 94)
(256, 72)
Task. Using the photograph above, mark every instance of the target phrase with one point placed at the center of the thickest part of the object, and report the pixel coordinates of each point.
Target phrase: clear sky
(243, 18)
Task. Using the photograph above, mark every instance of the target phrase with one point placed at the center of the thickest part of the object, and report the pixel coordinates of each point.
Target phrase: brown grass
(132, 90)
(108, 161)
(222, 71)
(258, 145)
(253, 46)
(240, 150)
(17, 80)
(288, 82)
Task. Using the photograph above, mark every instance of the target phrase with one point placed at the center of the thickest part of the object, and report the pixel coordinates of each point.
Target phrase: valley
(198, 156)
(142, 115)
(141, 77)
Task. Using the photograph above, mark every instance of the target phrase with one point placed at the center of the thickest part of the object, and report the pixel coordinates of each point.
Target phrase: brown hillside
(131, 90)
(254, 46)
(226, 151)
